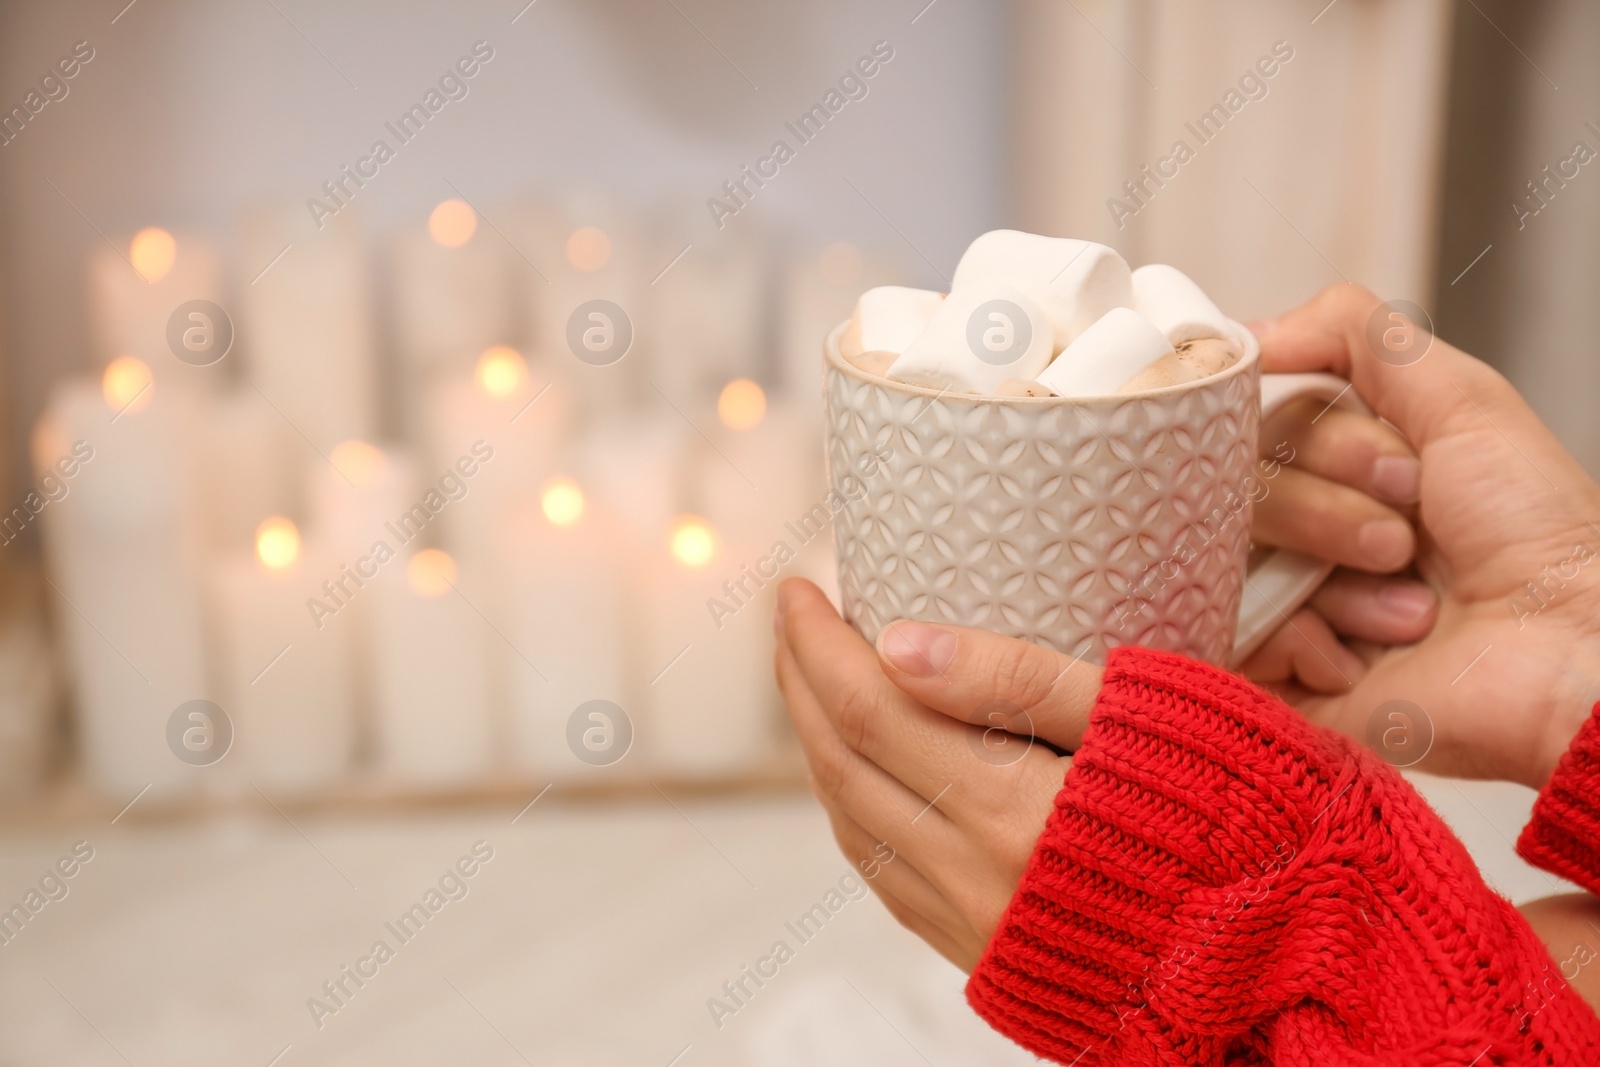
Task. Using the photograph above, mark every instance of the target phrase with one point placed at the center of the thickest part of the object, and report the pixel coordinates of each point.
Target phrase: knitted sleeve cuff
(1191, 793)
(1563, 837)
(1220, 882)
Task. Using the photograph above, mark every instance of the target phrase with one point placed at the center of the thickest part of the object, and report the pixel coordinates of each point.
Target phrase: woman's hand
(1511, 669)
(1341, 486)
(897, 761)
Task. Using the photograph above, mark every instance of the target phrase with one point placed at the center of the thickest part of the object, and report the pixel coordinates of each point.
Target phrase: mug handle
(1283, 581)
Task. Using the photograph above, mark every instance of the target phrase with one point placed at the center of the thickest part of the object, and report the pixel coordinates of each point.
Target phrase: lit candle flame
(452, 223)
(127, 384)
(694, 542)
(277, 543)
(742, 404)
(501, 371)
(841, 263)
(562, 501)
(360, 463)
(153, 252)
(588, 249)
(431, 573)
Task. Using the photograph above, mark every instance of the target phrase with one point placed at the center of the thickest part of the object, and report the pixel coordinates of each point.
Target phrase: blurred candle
(116, 503)
(566, 622)
(359, 489)
(132, 294)
(514, 417)
(361, 501)
(636, 467)
(704, 318)
(32, 696)
(765, 484)
(451, 300)
(430, 676)
(703, 672)
(306, 321)
(286, 670)
(246, 470)
(601, 258)
(764, 471)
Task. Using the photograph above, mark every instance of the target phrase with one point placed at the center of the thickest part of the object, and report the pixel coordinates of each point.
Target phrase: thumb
(1016, 686)
(1414, 380)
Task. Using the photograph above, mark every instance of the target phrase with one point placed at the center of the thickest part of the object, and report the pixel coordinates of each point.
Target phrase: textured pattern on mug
(1062, 523)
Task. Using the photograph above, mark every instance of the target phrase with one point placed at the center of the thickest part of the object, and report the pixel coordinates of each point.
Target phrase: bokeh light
(694, 542)
(452, 223)
(431, 573)
(127, 384)
(588, 249)
(361, 464)
(277, 543)
(742, 404)
(153, 252)
(841, 263)
(501, 371)
(562, 501)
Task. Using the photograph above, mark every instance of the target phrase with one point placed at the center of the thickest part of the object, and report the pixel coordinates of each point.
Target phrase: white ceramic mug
(1081, 524)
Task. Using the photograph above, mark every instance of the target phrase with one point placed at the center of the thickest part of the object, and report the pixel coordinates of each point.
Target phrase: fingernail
(1397, 479)
(917, 648)
(1263, 328)
(1386, 543)
(1409, 600)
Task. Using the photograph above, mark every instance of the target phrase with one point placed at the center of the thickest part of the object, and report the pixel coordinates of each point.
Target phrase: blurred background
(399, 401)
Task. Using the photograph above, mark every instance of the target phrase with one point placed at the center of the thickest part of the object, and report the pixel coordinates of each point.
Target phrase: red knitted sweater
(1221, 883)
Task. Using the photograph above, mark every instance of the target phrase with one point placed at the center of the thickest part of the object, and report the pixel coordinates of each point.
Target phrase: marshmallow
(1120, 345)
(1179, 308)
(978, 338)
(1076, 282)
(887, 319)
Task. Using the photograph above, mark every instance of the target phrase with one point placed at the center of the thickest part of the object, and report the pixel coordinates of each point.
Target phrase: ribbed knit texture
(1221, 883)
(1563, 836)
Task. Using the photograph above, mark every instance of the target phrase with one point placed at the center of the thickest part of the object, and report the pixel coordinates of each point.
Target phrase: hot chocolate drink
(1032, 316)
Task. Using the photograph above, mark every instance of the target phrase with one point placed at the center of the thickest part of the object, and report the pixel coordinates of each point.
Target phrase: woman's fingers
(1356, 450)
(1417, 382)
(847, 689)
(1333, 480)
(1308, 657)
(1385, 611)
(1310, 514)
(906, 892)
(1306, 653)
(989, 680)
(908, 773)
(846, 780)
